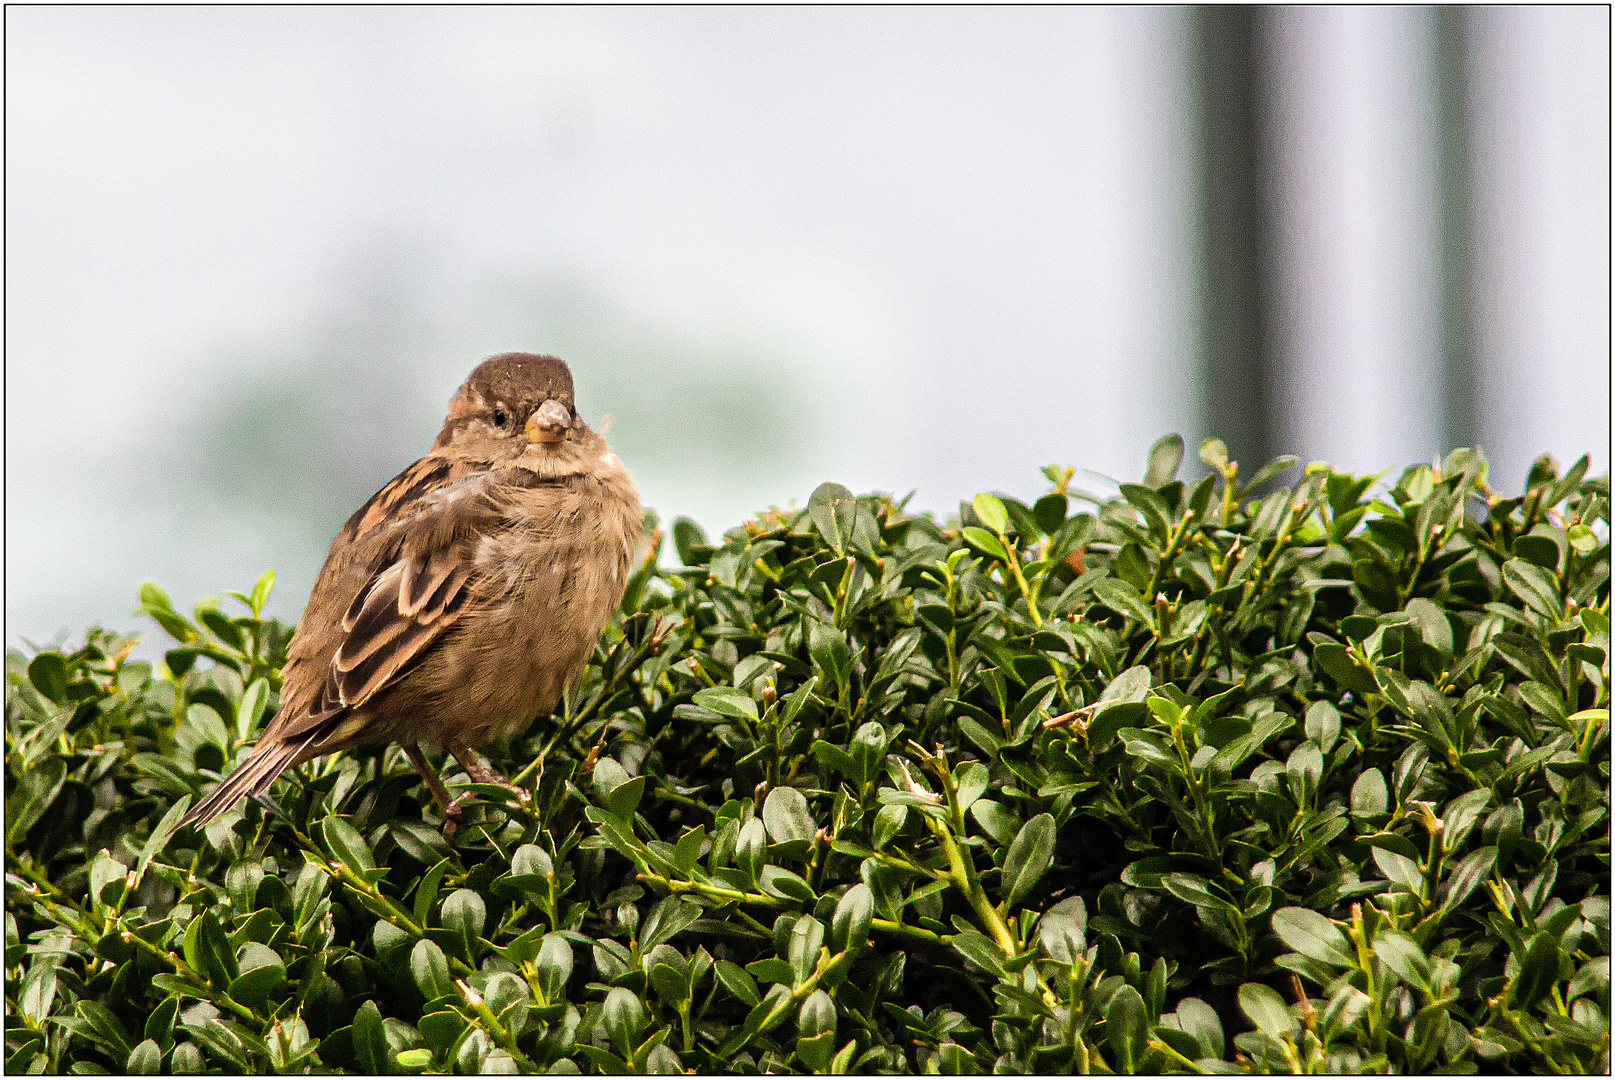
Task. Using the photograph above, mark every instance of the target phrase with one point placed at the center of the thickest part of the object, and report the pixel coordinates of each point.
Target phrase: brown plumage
(457, 604)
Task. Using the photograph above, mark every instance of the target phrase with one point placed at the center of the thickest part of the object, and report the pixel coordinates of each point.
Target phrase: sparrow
(458, 602)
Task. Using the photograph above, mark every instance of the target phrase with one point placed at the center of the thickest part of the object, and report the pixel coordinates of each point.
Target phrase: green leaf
(1369, 795)
(985, 541)
(833, 510)
(884, 887)
(1122, 598)
(786, 816)
(1378, 583)
(728, 701)
(162, 834)
(670, 917)
(464, 914)
(673, 987)
(257, 984)
(990, 509)
(1539, 970)
(418, 1058)
(749, 849)
(1126, 1028)
(1050, 513)
(784, 885)
(690, 542)
(48, 673)
(828, 648)
(1469, 873)
(816, 1023)
(430, 969)
(370, 1040)
(971, 780)
(145, 1059)
(1196, 890)
(208, 951)
(1538, 588)
(1263, 1007)
(1323, 724)
(687, 852)
(1029, 857)
(1313, 935)
(1282, 463)
(261, 590)
(1165, 458)
(1402, 955)
(996, 820)
(833, 757)
(849, 927)
(979, 949)
(623, 799)
(1200, 1020)
(802, 951)
(160, 1024)
(251, 710)
(735, 980)
(1338, 664)
(347, 844)
(1400, 869)
(624, 1020)
(1214, 453)
(554, 965)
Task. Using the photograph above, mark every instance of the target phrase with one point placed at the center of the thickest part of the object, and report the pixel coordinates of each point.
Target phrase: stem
(82, 923)
(1365, 963)
(1208, 818)
(1177, 538)
(382, 905)
(1175, 1057)
(1228, 474)
(490, 1024)
(720, 892)
(962, 868)
(1020, 580)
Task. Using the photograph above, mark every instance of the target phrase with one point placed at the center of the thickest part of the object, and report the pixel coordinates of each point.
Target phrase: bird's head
(513, 406)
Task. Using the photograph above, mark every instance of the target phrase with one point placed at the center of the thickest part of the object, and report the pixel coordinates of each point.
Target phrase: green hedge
(1193, 780)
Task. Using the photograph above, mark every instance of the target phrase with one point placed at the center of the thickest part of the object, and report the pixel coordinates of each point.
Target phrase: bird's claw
(453, 817)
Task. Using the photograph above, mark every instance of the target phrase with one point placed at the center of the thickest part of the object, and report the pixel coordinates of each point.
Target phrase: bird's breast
(545, 587)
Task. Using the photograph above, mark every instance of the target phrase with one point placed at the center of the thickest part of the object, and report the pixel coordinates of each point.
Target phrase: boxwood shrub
(1213, 775)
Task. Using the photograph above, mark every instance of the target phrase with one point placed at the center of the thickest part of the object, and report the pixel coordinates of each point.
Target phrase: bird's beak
(549, 422)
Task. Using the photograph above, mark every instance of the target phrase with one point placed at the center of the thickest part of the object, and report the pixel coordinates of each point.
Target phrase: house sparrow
(457, 604)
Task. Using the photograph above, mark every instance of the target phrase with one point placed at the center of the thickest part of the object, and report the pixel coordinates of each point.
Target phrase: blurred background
(251, 252)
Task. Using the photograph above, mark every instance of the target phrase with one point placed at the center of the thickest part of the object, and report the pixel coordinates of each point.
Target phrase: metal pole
(1459, 421)
(1237, 361)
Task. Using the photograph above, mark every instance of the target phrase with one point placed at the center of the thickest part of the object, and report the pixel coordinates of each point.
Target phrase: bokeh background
(250, 253)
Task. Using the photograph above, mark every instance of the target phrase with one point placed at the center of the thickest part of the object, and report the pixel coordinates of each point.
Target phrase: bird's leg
(449, 806)
(483, 773)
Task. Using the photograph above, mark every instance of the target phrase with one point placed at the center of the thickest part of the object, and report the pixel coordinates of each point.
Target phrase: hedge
(1198, 779)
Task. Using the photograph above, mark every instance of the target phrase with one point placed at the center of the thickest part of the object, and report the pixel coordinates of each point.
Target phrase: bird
(458, 603)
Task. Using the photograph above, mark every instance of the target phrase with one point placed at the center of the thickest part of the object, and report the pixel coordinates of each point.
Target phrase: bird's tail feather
(252, 777)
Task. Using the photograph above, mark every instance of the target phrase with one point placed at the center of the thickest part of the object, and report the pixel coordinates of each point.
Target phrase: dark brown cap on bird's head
(522, 380)
(532, 389)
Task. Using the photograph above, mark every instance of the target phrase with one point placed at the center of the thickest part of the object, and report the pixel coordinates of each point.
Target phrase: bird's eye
(499, 417)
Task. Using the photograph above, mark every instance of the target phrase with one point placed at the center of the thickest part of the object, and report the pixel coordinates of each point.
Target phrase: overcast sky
(251, 252)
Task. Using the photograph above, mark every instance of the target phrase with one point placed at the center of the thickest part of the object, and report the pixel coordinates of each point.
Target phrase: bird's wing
(412, 551)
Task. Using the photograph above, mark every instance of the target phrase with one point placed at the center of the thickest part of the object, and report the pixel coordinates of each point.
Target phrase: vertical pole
(1237, 367)
(1459, 421)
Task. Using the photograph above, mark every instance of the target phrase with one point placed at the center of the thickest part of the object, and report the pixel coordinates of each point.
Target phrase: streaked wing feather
(377, 623)
(423, 535)
(424, 578)
(360, 683)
